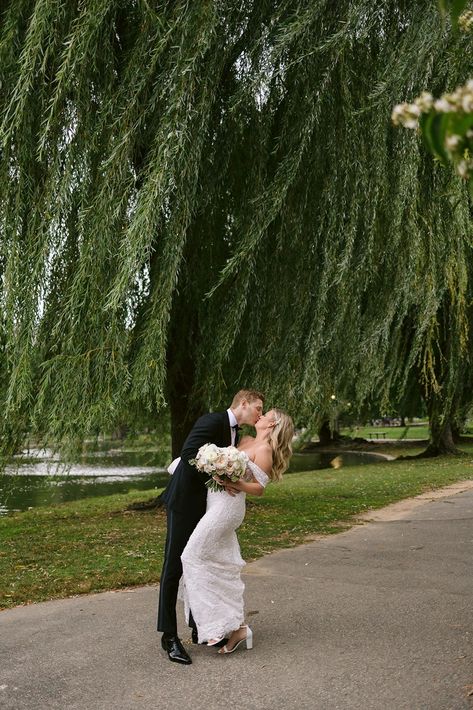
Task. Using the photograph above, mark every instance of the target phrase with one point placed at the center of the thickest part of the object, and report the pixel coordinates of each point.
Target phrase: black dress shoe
(175, 650)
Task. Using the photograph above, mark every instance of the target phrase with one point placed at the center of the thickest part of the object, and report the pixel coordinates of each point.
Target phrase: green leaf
(434, 127)
(460, 123)
(457, 7)
(454, 7)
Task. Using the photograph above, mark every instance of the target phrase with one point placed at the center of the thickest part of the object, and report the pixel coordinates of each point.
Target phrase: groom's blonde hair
(249, 395)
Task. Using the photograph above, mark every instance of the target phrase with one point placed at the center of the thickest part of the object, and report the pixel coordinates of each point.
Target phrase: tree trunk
(456, 433)
(441, 438)
(121, 432)
(441, 435)
(183, 415)
(325, 433)
(183, 409)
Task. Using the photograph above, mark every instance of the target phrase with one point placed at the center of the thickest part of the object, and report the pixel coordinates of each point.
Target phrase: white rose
(211, 455)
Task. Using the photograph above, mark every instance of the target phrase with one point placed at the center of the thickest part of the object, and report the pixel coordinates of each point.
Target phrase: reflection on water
(25, 491)
(40, 479)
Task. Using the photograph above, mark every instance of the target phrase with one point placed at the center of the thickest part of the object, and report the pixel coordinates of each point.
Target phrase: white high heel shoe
(248, 640)
(214, 642)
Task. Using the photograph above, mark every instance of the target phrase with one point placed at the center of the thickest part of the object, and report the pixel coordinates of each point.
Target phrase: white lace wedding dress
(211, 584)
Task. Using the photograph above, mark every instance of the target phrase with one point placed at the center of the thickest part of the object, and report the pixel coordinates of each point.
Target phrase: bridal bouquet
(222, 461)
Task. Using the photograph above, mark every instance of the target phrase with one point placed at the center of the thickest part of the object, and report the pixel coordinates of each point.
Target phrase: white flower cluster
(459, 102)
(222, 461)
(465, 21)
(407, 115)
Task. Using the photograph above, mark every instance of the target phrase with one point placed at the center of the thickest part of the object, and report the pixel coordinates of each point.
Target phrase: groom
(185, 498)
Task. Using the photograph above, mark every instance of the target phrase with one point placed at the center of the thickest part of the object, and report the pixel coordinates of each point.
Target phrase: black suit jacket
(186, 492)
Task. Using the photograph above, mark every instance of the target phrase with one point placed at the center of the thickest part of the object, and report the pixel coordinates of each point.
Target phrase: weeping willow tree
(200, 196)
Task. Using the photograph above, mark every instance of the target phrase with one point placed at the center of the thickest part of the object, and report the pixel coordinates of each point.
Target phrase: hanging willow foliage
(196, 196)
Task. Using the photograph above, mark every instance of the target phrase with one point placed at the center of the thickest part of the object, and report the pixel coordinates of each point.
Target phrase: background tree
(197, 196)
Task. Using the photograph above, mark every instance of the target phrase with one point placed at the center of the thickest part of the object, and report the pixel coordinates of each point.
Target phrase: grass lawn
(415, 431)
(418, 430)
(96, 544)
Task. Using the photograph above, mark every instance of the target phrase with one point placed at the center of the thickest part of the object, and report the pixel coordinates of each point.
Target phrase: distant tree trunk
(121, 432)
(441, 434)
(442, 437)
(326, 435)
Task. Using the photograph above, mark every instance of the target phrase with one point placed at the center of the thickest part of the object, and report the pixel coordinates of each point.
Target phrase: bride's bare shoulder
(264, 457)
(245, 440)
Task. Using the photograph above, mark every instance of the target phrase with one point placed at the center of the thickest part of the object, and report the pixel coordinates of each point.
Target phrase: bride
(212, 587)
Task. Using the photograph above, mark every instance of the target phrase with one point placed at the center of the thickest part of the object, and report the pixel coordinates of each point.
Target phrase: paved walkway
(379, 617)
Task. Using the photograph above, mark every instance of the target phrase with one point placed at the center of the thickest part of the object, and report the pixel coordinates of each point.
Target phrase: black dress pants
(180, 527)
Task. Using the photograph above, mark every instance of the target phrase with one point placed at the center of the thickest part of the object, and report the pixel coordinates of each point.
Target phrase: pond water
(39, 480)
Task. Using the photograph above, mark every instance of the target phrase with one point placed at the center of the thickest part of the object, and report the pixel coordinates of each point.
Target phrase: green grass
(83, 546)
(417, 431)
(96, 544)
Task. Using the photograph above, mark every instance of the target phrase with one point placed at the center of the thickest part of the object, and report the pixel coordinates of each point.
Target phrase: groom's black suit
(186, 498)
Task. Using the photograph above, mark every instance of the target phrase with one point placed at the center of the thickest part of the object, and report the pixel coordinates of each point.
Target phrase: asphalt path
(378, 617)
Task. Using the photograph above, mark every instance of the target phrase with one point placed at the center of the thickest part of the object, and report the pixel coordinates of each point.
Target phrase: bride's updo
(280, 440)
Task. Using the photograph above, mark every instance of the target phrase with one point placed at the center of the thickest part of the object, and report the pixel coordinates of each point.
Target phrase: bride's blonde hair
(280, 440)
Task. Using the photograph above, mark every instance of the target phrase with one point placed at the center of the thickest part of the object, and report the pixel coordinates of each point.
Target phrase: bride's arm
(252, 487)
(263, 459)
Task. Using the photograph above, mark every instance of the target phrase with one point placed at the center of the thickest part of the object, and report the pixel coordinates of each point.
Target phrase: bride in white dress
(212, 587)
